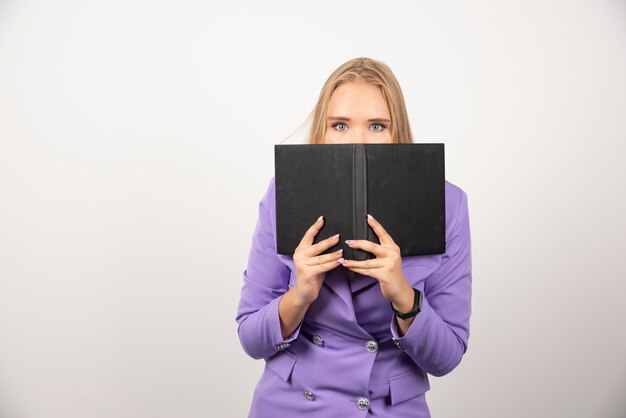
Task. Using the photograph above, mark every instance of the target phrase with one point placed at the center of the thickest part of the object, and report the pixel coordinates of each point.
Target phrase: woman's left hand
(386, 267)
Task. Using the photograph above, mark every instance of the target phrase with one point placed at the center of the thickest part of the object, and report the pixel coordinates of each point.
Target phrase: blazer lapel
(338, 283)
(335, 280)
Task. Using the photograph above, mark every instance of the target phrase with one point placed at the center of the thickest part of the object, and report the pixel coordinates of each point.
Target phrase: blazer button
(363, 403)
(308, 394)
(371, 346)
(282, 346)
(398, 344)
(317, 340)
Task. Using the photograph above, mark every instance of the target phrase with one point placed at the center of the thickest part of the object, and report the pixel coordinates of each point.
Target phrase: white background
(136, 140)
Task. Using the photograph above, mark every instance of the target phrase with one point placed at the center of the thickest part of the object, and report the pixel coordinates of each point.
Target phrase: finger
(310, 233)
(382, 234)
(321, 268)
(326, 258)
(321, 246)
(372, 263)
(369, 246)
(365, 272)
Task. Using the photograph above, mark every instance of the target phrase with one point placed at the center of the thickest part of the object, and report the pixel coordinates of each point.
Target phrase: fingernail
(335, 236)
(341, 261)
(350, 242)
(320, 218)
(370, 217)
(339, 252)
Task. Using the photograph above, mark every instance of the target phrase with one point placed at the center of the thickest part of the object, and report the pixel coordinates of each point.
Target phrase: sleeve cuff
(281, 344)
(414, 329)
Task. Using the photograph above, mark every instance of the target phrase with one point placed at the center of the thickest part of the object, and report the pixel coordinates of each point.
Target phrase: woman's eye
(377, 127)
(340, 126)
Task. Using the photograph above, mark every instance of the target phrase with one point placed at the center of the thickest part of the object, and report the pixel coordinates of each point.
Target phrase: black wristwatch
(417, 307)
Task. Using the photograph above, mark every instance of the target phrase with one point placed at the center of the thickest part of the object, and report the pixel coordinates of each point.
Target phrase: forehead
(356, 100)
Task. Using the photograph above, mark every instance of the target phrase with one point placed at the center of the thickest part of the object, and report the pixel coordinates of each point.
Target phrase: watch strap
(417, 306)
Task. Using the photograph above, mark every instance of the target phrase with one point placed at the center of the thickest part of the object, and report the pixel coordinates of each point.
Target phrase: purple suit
(347, 359)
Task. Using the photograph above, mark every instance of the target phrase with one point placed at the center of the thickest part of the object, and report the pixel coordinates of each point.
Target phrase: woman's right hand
(311, 267)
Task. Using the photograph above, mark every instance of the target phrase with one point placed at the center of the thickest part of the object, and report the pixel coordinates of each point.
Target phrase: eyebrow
(348, 119)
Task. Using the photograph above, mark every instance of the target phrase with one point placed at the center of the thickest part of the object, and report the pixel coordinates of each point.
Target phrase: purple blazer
(346, 359)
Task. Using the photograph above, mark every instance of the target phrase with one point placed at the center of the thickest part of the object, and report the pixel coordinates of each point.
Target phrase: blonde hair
(371, 72)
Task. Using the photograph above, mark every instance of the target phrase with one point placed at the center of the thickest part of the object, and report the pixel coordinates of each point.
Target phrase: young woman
(346, 338)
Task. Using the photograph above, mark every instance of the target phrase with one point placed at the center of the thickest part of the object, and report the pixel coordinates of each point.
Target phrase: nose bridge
(357, 134)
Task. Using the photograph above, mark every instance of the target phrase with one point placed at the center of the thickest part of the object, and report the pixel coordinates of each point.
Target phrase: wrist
(415, 308)
(404, 301)
(298, 301)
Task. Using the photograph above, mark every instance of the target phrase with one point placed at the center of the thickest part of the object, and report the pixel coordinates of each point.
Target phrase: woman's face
(357, 112)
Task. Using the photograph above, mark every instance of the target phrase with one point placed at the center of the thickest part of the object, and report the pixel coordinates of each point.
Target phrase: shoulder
(454, 194)
(456, 207)
(268, 203)
(270, 192)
